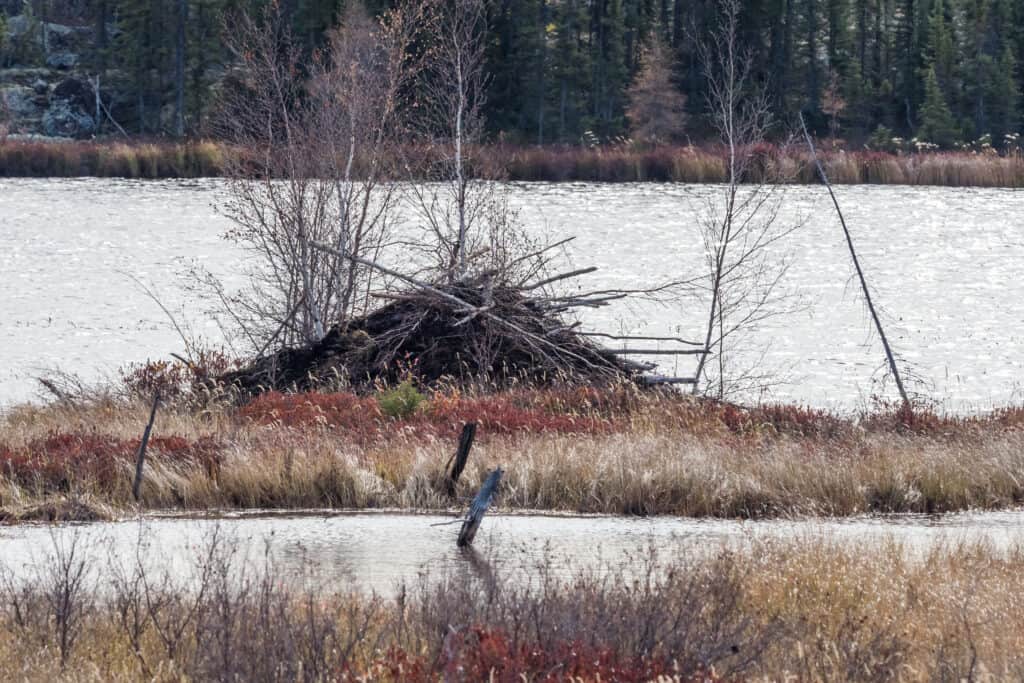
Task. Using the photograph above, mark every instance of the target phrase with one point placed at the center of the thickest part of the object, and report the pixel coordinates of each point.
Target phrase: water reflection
(379, 551)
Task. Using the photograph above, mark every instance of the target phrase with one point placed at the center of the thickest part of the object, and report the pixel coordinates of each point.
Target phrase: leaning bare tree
(740, 226)
(315, 139)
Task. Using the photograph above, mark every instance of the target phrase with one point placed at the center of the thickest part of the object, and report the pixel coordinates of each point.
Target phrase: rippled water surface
(945, 263)
(377, 551)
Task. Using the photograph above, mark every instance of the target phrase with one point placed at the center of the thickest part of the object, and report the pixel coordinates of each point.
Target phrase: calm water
(944, 263)
(377, 551)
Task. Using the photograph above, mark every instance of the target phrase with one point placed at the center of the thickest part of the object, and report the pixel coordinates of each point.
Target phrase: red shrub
(444, 416)
(501, 415)
(359, 416)
(55, 461)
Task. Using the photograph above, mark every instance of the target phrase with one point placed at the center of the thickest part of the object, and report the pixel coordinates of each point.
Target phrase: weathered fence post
(479, 508)
(461, 456)
(140, 459)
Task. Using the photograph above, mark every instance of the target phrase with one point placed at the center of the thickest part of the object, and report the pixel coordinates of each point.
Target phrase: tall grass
(810, 610)
(707, 165)
(587, 451)
(619, 163)
(110, 159)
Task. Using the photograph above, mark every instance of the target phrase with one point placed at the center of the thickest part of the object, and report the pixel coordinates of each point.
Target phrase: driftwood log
(478, 509)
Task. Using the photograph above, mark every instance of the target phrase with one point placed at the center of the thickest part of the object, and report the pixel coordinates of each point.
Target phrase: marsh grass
(134, 159)
(809, 609)
(614, 163)
(616, 451)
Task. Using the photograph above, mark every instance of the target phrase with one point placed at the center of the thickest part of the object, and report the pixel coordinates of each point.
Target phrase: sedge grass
(664, 455)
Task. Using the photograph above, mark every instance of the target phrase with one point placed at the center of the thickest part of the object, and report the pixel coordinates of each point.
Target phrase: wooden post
(479, 508)
(461, 456)
(140, 459)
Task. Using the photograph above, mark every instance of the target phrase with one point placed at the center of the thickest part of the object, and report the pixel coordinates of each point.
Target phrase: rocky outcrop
(43, 90)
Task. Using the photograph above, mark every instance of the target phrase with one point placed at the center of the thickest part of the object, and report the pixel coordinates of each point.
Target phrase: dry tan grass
(808, 610)
(661, 457)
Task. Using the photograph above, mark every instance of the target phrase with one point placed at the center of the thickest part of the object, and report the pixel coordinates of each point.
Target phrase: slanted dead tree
(890, 357)
(315, 139)
(740, 227)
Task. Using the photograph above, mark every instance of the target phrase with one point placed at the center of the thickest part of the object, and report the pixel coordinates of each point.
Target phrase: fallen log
(478, 509)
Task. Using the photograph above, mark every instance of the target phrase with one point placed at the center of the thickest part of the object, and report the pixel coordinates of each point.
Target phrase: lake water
(377, 551)
(945, 264)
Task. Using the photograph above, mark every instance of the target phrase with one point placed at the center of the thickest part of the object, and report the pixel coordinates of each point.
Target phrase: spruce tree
(937, 124)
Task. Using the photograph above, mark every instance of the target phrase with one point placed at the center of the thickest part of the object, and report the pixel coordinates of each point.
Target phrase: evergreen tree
(657, 111)
(937, 124)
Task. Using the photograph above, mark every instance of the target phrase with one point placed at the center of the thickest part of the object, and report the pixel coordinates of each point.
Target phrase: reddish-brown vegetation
(480, 653)
(58, 460)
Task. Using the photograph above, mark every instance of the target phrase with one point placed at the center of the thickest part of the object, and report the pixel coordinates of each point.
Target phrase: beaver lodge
(478, 328)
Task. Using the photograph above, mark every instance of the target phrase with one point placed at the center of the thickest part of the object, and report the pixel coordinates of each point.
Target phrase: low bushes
(814, 609)
(619, 450)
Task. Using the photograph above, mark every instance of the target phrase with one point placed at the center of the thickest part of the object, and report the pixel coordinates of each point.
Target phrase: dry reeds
(616, 163)
(110, 159)
(617, 452)
(808, 609)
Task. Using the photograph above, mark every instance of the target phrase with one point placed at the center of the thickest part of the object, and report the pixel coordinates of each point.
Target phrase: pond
(944, 264)
(376, 551)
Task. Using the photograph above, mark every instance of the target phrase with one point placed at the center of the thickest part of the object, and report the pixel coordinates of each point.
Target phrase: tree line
(590, 71)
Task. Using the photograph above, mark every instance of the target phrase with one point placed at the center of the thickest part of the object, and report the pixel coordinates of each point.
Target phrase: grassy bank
(809, 610)
(555, 164)
(74, 159)
(615, 451)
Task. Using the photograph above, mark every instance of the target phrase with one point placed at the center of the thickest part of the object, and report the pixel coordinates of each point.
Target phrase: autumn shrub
(63, 461)
(177, 378)
(359, 417)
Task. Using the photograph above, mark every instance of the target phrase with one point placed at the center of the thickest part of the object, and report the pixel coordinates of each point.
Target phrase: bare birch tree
(315, 139)
(458, 208)
(740, 227)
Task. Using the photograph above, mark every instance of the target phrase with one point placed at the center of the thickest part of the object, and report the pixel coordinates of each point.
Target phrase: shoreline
(140, 159)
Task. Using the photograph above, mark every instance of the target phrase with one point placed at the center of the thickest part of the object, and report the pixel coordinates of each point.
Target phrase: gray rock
(60, 38)
(41, 87)
(63, 119)
(17, 26)
(62, 60)
(20, 101)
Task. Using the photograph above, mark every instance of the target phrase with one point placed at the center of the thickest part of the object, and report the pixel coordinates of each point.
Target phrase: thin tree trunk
(179, 71)
(541, 85)
(860, 273)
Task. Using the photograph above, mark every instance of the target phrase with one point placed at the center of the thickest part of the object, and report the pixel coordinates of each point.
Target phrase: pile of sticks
(497, 326)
